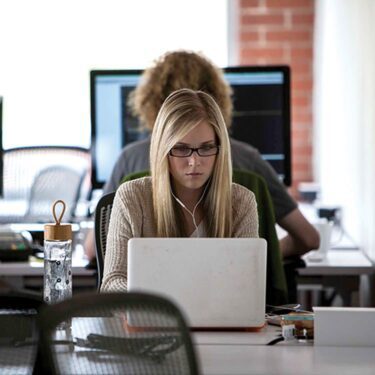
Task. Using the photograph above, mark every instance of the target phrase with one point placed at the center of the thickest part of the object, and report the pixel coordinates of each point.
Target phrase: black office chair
(19, 336)
(102, 217)
(116, 333)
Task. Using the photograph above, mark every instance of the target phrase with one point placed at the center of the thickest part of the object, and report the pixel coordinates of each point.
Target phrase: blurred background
(48, 49)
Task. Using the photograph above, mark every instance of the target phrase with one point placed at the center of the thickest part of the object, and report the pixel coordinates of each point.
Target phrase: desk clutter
(326, 326)
(15, 245)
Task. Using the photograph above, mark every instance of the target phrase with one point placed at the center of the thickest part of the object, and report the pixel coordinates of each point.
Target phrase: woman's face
(193, 171)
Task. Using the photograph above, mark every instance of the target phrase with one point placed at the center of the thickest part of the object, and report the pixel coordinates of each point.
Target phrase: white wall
(48, 48)
(344, 99)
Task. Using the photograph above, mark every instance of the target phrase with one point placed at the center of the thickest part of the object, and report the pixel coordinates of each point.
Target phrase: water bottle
(57, 258)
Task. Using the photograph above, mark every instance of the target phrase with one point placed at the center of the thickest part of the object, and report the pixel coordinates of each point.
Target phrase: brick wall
(281, 32)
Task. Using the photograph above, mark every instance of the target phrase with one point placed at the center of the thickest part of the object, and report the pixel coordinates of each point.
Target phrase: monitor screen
(261, 115)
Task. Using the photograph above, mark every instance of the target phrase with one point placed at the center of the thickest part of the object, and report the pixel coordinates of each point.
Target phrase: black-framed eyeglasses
(184, 151)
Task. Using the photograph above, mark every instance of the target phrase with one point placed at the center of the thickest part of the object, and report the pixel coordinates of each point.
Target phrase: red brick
(262, 53)
(303, 150)
(249, 3)
(262, 19)
(308, 4)
(302, 118)
(300, 93)
(289, 36)
(249, 36)
(289, 43)
(301, 70)
(303, 19)
(300, 175)
(299, 145)
(300, 163)
(304, 133)
(301, 53)
(304, 84)
(301, 101)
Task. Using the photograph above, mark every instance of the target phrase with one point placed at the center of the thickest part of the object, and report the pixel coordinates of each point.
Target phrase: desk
(249, 359)
(246, 353)
(30, 274)
(232, 353)
(345, 270)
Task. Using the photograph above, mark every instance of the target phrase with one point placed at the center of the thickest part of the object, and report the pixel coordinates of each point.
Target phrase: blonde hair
(181, 112)
(174, 71)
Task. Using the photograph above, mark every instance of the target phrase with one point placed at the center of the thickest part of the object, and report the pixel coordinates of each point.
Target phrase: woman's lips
(194, 174)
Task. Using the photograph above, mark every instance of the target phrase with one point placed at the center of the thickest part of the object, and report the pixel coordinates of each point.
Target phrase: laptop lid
(217, 282)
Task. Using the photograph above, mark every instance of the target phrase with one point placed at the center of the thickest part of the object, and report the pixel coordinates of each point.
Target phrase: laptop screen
(217, 282)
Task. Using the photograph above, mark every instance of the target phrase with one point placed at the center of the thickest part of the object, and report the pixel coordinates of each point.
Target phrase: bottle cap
(57, 231)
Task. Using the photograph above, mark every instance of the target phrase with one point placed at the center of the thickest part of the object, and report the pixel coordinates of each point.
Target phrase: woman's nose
(194, 159)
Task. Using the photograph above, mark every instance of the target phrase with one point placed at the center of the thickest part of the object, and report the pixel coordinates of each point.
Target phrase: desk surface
(35, 267)
(285, 359)
(246, 353)
(339, 262)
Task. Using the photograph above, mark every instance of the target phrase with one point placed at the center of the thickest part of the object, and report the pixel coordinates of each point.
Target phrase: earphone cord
(195, 207)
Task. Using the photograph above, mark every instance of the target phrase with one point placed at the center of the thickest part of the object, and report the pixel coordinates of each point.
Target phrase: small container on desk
(57, 259)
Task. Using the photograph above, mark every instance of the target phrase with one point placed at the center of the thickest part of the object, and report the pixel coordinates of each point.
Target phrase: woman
(190, 192)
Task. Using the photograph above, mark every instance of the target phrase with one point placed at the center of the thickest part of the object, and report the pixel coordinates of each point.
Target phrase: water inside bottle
(57, 271)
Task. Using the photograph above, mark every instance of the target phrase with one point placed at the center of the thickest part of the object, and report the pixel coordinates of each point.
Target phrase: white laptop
(217, 282)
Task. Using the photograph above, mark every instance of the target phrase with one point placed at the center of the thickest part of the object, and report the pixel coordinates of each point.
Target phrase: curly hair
(174, 71)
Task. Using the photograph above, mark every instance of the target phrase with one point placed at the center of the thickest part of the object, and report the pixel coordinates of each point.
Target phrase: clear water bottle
(57, 259)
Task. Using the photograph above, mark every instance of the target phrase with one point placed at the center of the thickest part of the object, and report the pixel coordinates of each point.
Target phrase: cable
(284, 309)
(195, 207)
(276, 340)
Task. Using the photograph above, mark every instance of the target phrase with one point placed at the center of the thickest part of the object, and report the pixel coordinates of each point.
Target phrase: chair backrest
(116, 333)
(51, 184)
(102, 217)
(19, 337)
(23, 167)
(277, 290)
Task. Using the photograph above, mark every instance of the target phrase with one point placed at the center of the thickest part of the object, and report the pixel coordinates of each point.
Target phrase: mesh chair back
(22, 166)
(18, 334)
(117, 333)
(102, 217)
(51, 184)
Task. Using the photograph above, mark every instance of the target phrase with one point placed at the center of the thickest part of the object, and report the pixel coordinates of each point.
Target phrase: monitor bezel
(93, 74)
(284, 69)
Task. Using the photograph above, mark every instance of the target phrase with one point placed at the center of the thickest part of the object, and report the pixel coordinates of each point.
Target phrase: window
(48, 49)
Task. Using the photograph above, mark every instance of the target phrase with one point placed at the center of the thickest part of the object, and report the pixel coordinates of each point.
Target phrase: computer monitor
(261, 116)
(1, 148)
